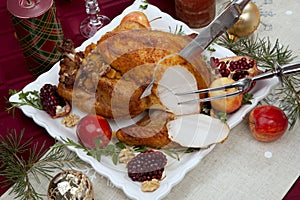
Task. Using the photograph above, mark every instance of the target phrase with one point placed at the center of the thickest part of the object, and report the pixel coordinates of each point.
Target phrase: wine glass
(90, 25)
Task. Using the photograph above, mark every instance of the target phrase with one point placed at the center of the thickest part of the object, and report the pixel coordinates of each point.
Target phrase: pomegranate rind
(67, 109)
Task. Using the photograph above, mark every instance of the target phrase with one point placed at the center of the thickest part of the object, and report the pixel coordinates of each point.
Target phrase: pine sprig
(266, 54)
(19, 171)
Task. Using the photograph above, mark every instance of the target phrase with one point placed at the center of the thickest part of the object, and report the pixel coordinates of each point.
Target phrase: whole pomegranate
(235, 67)
(267, 123)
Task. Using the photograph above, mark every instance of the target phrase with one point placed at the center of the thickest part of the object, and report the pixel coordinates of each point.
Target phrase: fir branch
(290, 98)
(260, 49)
(17, 170)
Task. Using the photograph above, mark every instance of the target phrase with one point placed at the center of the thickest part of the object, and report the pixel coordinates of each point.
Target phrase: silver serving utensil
(207, 35)
(244, 84)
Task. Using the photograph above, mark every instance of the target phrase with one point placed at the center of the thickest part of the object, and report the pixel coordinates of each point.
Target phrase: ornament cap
(28, 8)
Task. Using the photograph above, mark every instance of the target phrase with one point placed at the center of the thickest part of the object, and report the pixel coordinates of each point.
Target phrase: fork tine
(212, 98)
(206, 90)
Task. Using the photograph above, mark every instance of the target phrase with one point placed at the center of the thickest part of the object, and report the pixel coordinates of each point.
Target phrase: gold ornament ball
(248, 21)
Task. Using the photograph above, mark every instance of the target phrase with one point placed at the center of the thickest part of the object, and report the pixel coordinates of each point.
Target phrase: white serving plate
(175, 170)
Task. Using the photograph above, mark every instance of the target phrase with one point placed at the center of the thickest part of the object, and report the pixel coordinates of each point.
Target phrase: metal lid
(28, 8)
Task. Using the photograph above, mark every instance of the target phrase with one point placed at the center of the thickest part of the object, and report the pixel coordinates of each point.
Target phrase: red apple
(267, 123)
(93, 127)
(227, 105)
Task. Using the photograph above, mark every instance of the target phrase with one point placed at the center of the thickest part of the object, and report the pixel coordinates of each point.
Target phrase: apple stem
(154, 19)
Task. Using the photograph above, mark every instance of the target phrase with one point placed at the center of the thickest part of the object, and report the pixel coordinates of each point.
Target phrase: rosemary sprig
(247, 98)
(178, 30)
(17, 169)
(221, 115)
(177, 152)
(30, 98)
(266, 54)
(112, 150)
(173, 152)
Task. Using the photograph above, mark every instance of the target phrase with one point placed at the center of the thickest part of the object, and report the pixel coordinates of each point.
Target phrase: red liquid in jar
(195, 13)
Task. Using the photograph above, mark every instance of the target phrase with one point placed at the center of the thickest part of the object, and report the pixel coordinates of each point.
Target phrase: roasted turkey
(109, 77)
(150, 131)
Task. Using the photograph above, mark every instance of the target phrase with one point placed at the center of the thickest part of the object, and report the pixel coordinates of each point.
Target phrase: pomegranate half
(235, 67)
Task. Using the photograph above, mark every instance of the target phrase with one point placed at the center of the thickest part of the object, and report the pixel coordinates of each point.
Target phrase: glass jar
(195, 13)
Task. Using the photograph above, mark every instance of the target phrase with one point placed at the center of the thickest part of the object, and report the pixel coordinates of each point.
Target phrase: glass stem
(93, 9)
(93, 19)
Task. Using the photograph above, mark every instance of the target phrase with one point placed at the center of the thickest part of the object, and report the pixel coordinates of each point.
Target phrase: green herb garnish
(247, 98)
(221, 115)
(145, 4)
(178, 30)
(30, 98)
(112, 150)
(209, 48)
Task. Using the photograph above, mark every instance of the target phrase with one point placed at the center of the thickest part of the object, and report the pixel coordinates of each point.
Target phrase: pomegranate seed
(223, 65)
(214, 62)
(227, 72)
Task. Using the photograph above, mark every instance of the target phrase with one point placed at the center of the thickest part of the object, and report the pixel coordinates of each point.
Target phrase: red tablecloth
(14, 74)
